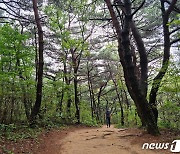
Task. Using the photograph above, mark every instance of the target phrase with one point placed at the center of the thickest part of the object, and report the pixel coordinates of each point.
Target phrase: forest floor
(90, 140)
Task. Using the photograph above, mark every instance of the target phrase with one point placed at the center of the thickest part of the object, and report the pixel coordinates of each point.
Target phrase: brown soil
(112, 141)
(85, 140)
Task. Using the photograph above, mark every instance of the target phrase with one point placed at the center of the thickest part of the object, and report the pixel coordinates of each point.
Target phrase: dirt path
(103, 140)
(87, 140)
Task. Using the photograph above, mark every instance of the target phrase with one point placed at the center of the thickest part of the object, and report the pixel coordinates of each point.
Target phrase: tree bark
(157, 80)
(76, 99)
(120, 103)
(90, 91)
(136, 87)
(68, 82)
(37, 105)
(76, 62)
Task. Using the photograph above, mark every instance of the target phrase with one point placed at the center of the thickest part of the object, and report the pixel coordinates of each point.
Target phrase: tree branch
(102, 19)
(173, 31)
(176, 9)
(172, 4)
(174, 41)
(140, 6)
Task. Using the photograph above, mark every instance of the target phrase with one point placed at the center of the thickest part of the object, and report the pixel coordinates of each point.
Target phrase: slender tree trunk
(10, 120)
(37, 105)
(119, 99)
(90, 93)
(92, 97)
(76, 62)
(26, 103)
(98, 103)
(76, 99)
(36, 53)
(61, 101)
(68, 82)
(92, 112)
(59, 96)
(23, 88)
(121, 106)
(157, 80)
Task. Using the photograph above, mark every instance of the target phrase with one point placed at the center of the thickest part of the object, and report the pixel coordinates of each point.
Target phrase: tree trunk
(91, 100)
(90, 92)
(23, 88)
(157, 80)
(76, 99)
(92, 97)
(69, 102)
(136, 87)
(37, 105)
(59, 96)
(61, 101)
(98, 103)
(68, 82)
(121, 106)
(36, 53)
(76, 62)
(119, 99)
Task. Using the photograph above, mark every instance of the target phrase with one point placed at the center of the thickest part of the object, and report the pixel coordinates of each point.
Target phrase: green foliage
(15, 56)
(176, 21)
(168, 99)
(131, 118)
(68, 22)
(86, 117)
(109, 52)
(14, 132)
(169, 117)
(16, 72)
(67, 31)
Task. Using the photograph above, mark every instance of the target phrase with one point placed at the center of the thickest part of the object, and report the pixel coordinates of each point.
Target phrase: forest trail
(80, 139)
(103, 140)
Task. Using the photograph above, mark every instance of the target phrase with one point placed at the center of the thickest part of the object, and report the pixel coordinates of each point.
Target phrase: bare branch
(173, 31)
(102, 19)
(138, 8)
(175, 41)
(15, 15)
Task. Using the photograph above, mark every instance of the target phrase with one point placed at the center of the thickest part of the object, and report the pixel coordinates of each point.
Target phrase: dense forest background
(66, 61)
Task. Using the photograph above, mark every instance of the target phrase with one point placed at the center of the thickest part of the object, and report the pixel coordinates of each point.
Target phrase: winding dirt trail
(103, 140)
